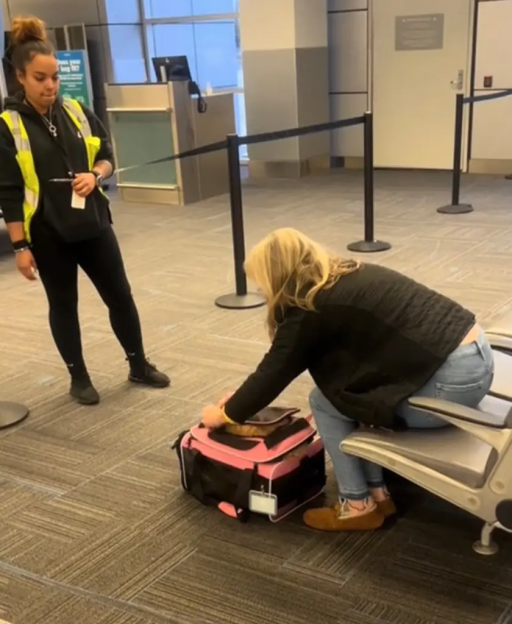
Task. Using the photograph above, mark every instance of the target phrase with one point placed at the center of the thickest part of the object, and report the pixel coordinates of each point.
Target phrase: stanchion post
(240, 299)
(369, 244)
(12, 413)
(456, 207)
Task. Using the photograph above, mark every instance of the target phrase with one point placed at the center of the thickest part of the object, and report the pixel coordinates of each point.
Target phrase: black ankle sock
(78, 372)
(137, 362)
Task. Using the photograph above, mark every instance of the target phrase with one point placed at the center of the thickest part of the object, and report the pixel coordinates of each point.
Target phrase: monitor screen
(170, 68)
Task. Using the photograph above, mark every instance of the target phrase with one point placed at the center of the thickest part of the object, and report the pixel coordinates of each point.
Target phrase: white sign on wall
(419, 32)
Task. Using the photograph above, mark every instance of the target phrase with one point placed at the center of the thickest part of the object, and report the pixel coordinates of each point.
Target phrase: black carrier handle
(234, 442)
(280, 435)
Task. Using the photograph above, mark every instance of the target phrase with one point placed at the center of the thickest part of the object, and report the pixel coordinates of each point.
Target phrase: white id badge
(77, 201)
(263, 503)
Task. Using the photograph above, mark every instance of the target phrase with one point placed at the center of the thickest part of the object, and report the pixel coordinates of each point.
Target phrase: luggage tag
(77, 201)
(263, 503)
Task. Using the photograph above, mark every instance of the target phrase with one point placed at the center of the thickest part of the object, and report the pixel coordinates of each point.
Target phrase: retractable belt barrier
(455, 207)
(197, 151)
(470, 99)
(241, 298)
(263, 137)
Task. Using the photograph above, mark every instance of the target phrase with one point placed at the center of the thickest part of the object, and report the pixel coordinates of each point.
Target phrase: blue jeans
(464, 378)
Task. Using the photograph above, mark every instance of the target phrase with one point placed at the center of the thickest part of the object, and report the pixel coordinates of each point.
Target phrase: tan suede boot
(384, 501)
(387, 507)
(343, 517)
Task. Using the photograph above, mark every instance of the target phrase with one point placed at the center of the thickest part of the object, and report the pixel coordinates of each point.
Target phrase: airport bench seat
(468, 464)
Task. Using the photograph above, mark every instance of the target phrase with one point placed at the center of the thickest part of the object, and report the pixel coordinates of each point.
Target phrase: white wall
(348, 45)
(58, 12)
(492, 120)
(348, 66)
(6, 20)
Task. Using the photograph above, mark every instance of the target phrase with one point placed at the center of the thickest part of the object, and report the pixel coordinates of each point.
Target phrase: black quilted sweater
(375, 338)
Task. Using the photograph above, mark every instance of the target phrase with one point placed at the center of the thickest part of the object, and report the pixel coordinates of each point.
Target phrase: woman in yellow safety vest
(54, 155)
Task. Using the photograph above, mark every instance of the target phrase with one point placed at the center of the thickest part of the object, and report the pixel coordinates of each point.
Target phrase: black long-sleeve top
(53, 159)
(375, 338)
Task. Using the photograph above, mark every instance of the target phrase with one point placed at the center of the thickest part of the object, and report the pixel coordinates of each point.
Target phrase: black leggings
(100, 258)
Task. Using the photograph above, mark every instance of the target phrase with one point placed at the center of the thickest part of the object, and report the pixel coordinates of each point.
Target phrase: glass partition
(207, 32)
(162, 9)
(211, 48)
(140, 137)
(127, 54)
(123, 11)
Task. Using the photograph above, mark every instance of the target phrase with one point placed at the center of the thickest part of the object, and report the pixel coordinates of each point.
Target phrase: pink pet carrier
(273, 474)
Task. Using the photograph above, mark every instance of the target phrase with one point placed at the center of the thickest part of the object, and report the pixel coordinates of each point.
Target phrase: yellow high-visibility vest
(26, 160)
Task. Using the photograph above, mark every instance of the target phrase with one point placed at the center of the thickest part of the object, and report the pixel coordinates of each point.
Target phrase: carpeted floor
(94, 527)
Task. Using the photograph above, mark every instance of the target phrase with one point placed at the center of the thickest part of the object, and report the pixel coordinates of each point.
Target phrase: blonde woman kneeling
(370, 337)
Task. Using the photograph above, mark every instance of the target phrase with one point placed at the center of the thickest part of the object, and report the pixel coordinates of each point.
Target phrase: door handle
(459, 83)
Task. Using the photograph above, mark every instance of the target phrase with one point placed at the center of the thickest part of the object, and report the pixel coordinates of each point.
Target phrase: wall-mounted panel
(348, 52)
(271, 101)
(312, 99)
(492, 130)
(347, 5)
(494, 44)
(58, 12)
(347, 142)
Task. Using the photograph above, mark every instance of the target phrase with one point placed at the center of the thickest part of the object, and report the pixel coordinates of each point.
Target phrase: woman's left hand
(213, 417)
(84, 184)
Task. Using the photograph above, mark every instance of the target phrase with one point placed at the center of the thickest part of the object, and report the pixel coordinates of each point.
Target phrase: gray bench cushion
(449, 451)
(499, 341)
(491, 412)
(504, 329)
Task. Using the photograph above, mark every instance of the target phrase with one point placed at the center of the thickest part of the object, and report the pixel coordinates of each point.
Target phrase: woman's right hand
(26, 264)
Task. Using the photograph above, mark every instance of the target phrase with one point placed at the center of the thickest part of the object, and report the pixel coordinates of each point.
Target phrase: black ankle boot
(83, 391)
(147, 374)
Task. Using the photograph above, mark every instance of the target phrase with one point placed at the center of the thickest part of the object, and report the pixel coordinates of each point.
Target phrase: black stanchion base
(369, 246)
(456, 209)
(240, 302)
(12, 413)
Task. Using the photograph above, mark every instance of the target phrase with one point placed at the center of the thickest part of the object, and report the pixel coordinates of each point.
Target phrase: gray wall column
(286, 82)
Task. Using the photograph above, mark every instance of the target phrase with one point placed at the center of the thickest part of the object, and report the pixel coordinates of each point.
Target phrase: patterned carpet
(94, 528)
